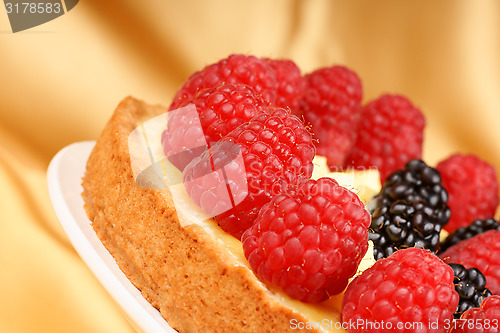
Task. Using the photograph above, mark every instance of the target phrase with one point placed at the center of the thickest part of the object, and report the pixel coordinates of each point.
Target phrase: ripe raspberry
(473, 188)
(290, 83)
(309, 243)
(390, 134)
(331, 105)
(219, 110)
(276, 154)
(236, 68)
(401, 293)
(183, 139)
(485, 319)
(481, 251)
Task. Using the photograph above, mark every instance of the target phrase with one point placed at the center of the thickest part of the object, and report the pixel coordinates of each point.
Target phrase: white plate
(64, 177)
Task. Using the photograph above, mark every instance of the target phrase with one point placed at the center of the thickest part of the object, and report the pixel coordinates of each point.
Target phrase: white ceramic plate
(64, 177)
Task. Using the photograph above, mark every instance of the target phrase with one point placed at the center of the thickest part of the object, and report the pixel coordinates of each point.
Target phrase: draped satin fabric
(61, 81)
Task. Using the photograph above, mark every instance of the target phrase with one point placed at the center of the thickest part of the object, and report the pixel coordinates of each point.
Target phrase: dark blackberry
(409, 211)
(475, 228)
(470, 285)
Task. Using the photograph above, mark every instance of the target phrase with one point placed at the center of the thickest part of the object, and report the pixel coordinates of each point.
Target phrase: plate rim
(69, 208)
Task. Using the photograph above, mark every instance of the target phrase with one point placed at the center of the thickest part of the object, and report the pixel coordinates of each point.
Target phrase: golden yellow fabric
(60, 82)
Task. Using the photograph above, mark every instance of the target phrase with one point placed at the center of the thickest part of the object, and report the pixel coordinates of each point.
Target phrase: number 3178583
(33, 8)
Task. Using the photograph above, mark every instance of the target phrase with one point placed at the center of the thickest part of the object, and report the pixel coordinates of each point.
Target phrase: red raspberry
(290, 83)
(183, 139)
(390, 134)
(485, 319)
(332, 104)
(481, 251)
(236, 68)
(404, 292)
(472, 187)
(218, 111)
(275, 152)
(309, 242)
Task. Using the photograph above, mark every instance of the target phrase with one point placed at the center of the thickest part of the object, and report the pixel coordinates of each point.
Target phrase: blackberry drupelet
(470, 286)
(410, 210)
(475, 228)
